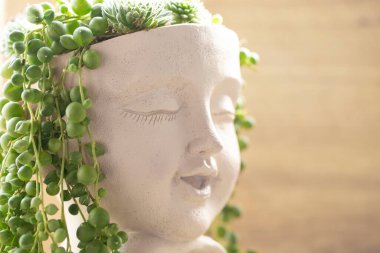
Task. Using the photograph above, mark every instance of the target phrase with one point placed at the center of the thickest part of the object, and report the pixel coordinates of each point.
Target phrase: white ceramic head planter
(163, 107)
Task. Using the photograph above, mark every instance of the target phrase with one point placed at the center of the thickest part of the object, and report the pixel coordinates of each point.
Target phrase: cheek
(230, 152)
(229, 167)
(138, 150)
(230, 157)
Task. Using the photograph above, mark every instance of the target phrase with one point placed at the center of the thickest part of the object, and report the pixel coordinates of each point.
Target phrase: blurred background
(313, 177)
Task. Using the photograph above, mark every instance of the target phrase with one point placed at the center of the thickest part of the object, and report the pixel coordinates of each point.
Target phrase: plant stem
(93, 144)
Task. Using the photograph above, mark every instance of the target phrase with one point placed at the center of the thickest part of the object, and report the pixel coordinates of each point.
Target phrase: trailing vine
(39, 116)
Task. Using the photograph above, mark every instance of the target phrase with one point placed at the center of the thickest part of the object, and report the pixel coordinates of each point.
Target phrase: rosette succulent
(127, 16)
(188, 11)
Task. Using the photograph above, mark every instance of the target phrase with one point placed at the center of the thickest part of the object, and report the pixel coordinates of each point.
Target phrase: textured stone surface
(163, 107)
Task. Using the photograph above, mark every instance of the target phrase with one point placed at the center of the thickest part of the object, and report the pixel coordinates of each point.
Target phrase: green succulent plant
(6, 43)
(185, 11)
(34, 133)
(128, 16)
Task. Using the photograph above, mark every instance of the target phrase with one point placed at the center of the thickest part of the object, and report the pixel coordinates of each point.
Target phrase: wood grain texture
(313, 177)
(313, 180)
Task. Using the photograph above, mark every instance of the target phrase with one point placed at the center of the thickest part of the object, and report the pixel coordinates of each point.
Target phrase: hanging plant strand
(39, 116)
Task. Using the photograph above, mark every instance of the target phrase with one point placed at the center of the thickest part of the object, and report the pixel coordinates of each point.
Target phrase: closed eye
(151, 117)
(227, 114)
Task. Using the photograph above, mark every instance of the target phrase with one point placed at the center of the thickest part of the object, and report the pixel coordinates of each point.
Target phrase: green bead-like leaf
(99, 149)
(34, 14)
(80, 7)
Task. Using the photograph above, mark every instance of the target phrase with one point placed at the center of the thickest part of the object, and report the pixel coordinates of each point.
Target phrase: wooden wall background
(313, 182)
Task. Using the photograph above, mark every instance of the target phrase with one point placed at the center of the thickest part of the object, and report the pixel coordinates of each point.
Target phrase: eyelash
(225, 113)
(150, 117)
(224, 117)
(158, 116)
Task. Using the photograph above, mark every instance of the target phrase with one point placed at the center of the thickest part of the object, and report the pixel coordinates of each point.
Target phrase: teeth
(198, 182)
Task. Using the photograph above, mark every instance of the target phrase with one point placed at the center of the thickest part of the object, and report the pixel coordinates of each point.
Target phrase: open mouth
(198, 182)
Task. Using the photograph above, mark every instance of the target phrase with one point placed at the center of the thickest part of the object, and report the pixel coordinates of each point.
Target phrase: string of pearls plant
(39, 116)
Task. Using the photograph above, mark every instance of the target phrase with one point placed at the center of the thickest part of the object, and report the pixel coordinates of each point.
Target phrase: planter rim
(169, 29)
(105, 45)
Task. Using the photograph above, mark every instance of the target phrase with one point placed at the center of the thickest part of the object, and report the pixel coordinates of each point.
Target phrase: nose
(205, 140)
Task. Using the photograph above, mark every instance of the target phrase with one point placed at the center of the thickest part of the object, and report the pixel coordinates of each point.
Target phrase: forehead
(176, 57)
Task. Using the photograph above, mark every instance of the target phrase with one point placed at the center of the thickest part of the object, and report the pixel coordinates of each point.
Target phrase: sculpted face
(164, 103)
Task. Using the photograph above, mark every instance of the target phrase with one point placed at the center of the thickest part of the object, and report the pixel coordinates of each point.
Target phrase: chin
(186, 225)
(184, 232)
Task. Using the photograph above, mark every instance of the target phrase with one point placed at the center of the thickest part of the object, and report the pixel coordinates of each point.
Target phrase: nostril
(205, 146)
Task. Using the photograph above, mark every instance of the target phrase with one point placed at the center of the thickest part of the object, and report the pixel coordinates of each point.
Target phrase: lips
(196, 181)
(195, 188)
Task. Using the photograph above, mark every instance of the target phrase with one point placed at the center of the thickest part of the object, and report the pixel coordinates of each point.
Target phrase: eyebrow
(235, 80)
(176, 80)
(127, 93)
